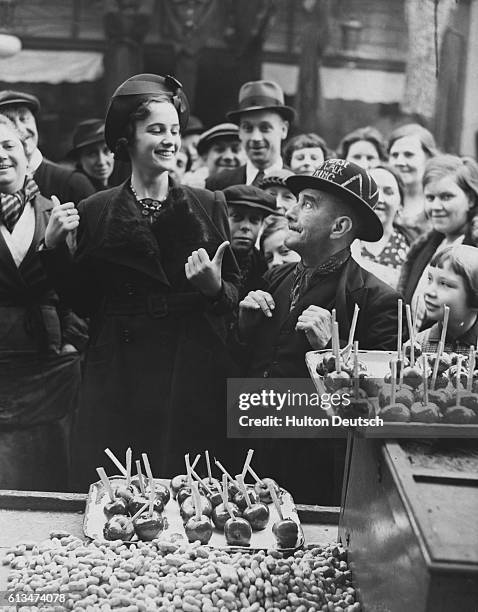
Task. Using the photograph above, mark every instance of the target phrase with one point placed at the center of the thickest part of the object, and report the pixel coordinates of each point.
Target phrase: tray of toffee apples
(415, 394)
(228, 514)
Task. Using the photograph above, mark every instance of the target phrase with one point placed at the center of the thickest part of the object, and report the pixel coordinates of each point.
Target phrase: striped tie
(259, 177)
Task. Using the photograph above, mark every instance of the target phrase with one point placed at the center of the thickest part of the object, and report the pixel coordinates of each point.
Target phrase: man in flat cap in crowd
(248, 206)
(52, 179)
(264, 120)
(220, 149)
(293, 314)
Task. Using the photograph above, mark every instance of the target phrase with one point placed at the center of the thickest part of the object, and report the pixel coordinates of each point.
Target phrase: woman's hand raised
(203, 273)
(63, 220)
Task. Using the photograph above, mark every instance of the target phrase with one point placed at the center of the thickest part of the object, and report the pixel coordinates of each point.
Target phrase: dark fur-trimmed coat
(154, 380)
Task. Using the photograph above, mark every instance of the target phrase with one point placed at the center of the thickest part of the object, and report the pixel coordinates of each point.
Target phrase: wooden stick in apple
(196, 500)
(242, 487)
(275, 501)
(140, 477)
(224, 471)
(195, 462)
(400, 323)
(128, 466)
(225, 496)
(147, 467)
(254, 475)
(471, 369)
(335, 334)
(459, 387)
(247, 462)
(393, 393)
(140, 511)
(200, 480)
(106, 483)
(208, 467)
(116, 461)
(425, 379)
(356, 371)
(354, 325)
(188, 471)
(411, 332)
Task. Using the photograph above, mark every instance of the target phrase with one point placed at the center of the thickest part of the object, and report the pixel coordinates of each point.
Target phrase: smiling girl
(452, 281)
(450, 187)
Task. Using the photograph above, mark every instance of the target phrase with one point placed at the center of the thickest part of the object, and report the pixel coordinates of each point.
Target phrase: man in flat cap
(264, 120)
(52, 179)
(293, 314)
(220, 149)
(247, 208)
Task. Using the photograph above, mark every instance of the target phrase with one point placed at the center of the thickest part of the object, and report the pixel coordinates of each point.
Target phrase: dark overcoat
(38, 385)
(157, 361)
(226, 178)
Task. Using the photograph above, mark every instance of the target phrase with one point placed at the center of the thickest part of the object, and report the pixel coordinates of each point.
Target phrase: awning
(51, 67)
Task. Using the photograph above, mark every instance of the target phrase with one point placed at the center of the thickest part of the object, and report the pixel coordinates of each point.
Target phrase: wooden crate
(411, 531)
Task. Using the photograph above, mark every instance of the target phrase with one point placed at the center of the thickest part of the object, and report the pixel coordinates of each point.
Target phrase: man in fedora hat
(52, 179)
(220, 149)
(264, 121)
(293, 314)
(248, 206)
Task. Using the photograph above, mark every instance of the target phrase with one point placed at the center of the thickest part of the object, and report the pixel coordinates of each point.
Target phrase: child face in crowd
(409, 158)
(389, 195)
(447, 206)
(285, 199)
(307, 160)
(364, 154)
(447, 288)
(245, 224)
(276, 252)
(224, 155)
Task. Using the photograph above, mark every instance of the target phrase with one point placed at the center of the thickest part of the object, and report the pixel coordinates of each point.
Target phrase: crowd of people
(161, 258)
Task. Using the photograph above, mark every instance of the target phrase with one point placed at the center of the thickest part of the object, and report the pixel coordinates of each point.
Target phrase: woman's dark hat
(353, 185)
(129, 96)
(8, 97)
(223, 131)
(261, 95)
(87, 132)
(248, 195)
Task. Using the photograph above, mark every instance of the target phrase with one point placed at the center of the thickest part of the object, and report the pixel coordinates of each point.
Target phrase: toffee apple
(257, 515)
(149, 526)
(118, 527)
(220, 514)
(238, 532)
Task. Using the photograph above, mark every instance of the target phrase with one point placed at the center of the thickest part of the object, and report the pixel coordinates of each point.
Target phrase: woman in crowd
(450, 188)
(304, 153)
(364, 146)
(154, 272)
(39, 337)
(453, 282)
(410, 147)
(91, 153)
(385, 257)
(272, 244)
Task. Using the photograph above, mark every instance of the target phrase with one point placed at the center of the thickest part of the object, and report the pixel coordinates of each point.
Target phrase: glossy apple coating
(118, 527)
(183, 494)
(215, 498)
(198, 529)
(240, 500)
(149, 527)
(395, 412)
(404, 396)
(470, 400)
(460, 415)
(335, 380)
(161, 492)
(429, 413)
(220, 515)
(118, 506)
(286, 533)
(417, 349)
(262, 490)
(124, 492)
(187, 509)
(443, 364)
(138, 502)
(257, 515)
(177, 483)
(412, 377)
(238, 532)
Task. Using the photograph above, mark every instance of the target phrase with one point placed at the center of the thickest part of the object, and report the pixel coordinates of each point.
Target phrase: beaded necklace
(151, 209)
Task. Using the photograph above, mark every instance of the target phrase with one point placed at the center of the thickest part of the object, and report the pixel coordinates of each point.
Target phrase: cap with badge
(352, 184)
(247, 195)
(86, 133)
(262, 95)
(222, 131)
(129, 96)
(9, 97)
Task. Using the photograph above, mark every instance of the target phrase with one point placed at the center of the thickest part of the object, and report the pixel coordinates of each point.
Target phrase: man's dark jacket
(226, 178)
(66, 184)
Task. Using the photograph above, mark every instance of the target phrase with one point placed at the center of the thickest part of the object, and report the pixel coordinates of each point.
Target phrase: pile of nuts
(170, 575)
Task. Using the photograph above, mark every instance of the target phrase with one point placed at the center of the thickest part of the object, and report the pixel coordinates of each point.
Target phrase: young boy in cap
(264, 120)
(293, 314)
(220, 149)
(248, 206)
(275, 185)
(52, 179)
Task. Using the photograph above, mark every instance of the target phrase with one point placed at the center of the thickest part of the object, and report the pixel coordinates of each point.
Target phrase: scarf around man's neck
(306, 277)
(13, 204)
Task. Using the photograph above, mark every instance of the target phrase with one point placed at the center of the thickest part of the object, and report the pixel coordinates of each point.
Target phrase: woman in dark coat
(154, 273)
(39, 337)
